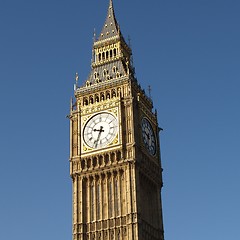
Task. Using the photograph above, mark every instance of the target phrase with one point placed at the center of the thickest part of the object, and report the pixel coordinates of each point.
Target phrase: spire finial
(129, 41)
(110, 3)
(76, 84)
(94, 35)
(76, 78)
(149, 91)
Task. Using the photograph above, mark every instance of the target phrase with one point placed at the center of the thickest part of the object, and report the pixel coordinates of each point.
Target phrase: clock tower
(115, 160)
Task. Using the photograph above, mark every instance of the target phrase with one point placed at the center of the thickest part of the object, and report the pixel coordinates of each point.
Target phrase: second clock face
(100, 130)
(148, 136)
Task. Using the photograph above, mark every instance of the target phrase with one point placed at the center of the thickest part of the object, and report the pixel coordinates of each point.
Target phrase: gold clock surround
(111, 141)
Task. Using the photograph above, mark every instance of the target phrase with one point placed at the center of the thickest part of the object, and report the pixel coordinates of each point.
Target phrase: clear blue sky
(188, 51)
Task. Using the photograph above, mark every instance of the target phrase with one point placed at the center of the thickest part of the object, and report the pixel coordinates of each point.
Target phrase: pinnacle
(110, 28)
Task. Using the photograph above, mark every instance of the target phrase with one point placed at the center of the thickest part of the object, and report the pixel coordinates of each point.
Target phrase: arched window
(105, 72)
(89, 163)
(102, 96)
(114, 69)
(95, 75)
(119, 92)
(103, 56)
(113, 93)
(94, 162)
(91, 100)
(118, 156)
(114, 52)
(112, 157)
(96, 98)
(85, 102)
(99, 57)
(83, 164)
(111, 53)
(106, 159)
(107, 55)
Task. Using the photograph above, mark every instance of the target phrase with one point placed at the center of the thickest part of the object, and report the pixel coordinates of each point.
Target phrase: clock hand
(148, 136)
(99, 130)
(99, 134)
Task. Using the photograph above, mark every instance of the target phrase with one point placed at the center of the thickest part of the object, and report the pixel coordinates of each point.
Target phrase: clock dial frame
(100, 130)
(148, 136)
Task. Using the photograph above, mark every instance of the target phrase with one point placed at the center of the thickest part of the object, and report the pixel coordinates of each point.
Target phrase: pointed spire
(110, 3)
(110, 28)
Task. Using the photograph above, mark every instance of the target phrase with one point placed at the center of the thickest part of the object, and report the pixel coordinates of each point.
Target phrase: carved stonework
(116, 179)
(100, 106)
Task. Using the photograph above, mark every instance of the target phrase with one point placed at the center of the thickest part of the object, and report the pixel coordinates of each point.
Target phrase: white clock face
(148, 136)
(100, 130)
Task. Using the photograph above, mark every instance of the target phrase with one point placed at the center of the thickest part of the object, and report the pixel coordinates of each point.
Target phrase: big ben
(115, 161)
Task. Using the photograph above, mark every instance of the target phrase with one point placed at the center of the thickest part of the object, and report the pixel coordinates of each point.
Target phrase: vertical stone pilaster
(88, 210)
(80, 201)
(79, 133)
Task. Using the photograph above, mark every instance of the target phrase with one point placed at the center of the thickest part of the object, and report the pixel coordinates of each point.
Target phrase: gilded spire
(110, 28)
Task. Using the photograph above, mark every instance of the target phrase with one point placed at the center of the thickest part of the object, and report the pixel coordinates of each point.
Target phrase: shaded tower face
(114, 148)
